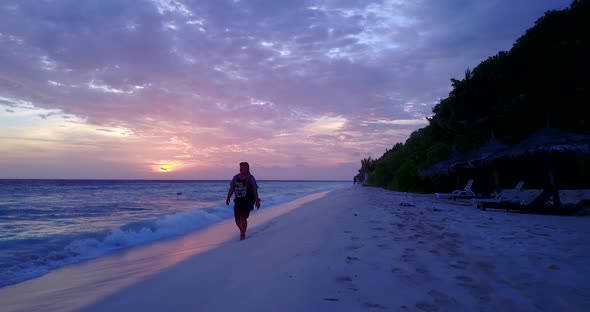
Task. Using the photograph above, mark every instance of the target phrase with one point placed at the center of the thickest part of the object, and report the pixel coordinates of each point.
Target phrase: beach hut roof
(442, 167)
(479, 156)
(548, 140)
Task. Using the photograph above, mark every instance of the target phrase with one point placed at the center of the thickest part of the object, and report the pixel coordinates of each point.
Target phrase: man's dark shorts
(242, 209)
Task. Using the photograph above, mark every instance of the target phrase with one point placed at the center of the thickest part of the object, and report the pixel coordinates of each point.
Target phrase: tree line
(542, 79)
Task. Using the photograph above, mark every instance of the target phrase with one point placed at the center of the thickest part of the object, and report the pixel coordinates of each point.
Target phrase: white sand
(350, 250)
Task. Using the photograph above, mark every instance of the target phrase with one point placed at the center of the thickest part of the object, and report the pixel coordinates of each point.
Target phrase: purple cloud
(210, 75)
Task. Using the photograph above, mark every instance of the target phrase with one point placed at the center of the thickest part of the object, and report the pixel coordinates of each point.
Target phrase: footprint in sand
(458, 267)
(427, 306)
(482, 292)
(525, 275)
(374, 306)
(452, 235)
(354, 247)
(483, 266)
(443, 299)
(347, 279)
(454, 253)
(351, 259)
(464, 278)
(409, 253)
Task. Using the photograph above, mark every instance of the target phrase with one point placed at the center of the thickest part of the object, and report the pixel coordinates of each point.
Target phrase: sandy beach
(356, 249)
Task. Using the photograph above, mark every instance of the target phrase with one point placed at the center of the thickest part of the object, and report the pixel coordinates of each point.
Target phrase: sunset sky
(166, 89)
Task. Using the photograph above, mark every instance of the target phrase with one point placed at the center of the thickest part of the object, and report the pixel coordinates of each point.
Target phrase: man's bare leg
(243, 226)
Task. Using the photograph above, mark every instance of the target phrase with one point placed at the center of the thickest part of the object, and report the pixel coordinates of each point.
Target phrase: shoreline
(352, 249)
(94, 219)
(74, 286)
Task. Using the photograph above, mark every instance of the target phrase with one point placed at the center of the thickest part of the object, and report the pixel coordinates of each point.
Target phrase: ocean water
(47, 224)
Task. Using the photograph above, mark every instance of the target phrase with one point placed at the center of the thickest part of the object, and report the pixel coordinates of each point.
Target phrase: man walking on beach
(244, 186)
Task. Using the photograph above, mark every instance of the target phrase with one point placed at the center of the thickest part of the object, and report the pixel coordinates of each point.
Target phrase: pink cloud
(301, 91)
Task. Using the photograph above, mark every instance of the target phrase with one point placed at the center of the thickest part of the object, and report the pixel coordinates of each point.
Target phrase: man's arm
(229, 194)
(257, 198)
(257, 201)
(254, 187)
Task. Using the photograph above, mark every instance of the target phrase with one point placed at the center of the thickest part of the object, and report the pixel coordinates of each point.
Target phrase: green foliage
(543, 78)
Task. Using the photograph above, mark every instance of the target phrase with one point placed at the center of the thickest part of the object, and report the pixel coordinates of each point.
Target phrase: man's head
(244, 168)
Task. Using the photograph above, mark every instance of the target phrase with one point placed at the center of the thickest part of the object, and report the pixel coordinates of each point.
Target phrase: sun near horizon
(164, 167)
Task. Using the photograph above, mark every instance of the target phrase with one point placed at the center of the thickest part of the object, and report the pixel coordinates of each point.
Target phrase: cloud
(271, 79)
(45, 116)
(403, 122)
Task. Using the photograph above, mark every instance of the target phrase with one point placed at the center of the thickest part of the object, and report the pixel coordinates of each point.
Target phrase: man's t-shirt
(244, 189)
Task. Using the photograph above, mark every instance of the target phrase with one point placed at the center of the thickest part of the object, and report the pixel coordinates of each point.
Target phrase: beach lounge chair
(575, 201)
(505, 195)
(465, 193)
(545, 201)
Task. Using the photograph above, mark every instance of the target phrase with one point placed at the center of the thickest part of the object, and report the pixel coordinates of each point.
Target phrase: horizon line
(160, 180)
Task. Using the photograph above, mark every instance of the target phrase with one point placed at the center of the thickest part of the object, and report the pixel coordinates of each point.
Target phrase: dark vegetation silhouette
(543, 79)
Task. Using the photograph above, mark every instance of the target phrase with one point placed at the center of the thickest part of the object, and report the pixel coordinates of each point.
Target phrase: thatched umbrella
(442, 167)
(546, 142)
(549, 140)
(478, 158)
